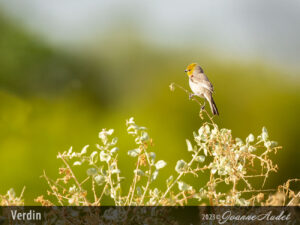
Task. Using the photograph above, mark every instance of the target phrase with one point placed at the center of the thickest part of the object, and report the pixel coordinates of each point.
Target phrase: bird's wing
(203, 82)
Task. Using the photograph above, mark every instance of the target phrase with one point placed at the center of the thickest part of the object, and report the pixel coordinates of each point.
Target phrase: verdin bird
(201, 86)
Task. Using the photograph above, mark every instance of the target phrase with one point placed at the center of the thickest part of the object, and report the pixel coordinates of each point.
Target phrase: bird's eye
(189, 70)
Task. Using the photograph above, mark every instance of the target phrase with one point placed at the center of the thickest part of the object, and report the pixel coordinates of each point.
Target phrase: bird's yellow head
(190, 69)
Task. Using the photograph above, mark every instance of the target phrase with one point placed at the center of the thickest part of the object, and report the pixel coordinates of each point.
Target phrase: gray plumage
(201, 86)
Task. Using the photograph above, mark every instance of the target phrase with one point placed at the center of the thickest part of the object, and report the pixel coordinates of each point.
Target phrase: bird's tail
(213, 106)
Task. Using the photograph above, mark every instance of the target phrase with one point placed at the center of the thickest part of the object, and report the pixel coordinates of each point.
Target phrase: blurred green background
(69, 69)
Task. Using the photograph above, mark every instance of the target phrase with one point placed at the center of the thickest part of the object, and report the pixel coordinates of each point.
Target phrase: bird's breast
(196, 88)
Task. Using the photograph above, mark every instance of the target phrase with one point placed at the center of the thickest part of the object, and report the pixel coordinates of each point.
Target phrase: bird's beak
(185, 71)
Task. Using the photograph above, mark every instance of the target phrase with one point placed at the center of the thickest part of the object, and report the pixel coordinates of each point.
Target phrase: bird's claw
(203, 106)
(191, 96)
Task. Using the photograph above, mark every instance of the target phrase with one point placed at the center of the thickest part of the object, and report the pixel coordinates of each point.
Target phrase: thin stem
(110, 181)
(251, 191)
(196, 100)
(103, 191)
(233, 189)
(73, 176)
(180, 175)
(293, 199)
(135, 181)
(22, 192)
(132, 187)
(53, 190)
(85, 180)
(211, 177)
(170, 187)
(149, 177)
(94, 191)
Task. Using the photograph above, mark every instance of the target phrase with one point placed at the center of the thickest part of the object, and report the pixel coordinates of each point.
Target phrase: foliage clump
(232, 171)
(230, 166)
(11, 198)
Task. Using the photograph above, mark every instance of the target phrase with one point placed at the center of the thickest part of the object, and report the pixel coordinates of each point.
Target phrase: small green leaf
(264, 134)
(110, 131)
(180, 166)
(144, 136)
(77, 163)
(207, 129)
(132, 129)
(154, 175)
(134, 152)
(252, 148)
(73, 189)
(115, 171)
(189, 145)
(239, 141)
(11, 193)
(139, 172)
(213, 170)
(201, 131)
(93, 155)
(172, 87)
(160, 164)
(70, 150)
(114, 141)
(83, 151)
(200, 158)
(139, 191)
(197, 196)
(274, 144)
(130, 121)
(250, 138)
(114, 150)
(268, 144)
(222, 172)
(103, 171)
(183, 186)
(152, 155)
(91, 171)
(142, 128)
(169, 180)
(104, 156)
(243, 148)
(99, 179)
